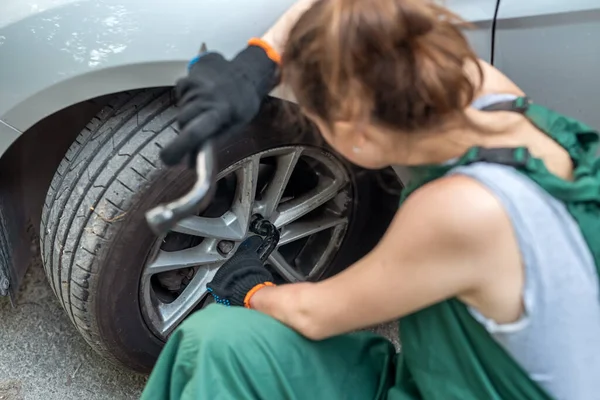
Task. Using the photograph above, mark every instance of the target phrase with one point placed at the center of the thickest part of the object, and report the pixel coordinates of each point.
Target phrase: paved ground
(43, 357)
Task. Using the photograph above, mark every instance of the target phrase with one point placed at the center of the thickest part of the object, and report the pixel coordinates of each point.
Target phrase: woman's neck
(438, 147)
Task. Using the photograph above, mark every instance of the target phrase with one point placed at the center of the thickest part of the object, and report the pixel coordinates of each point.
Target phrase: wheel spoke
(233, 225)
(172, 314)
(326, 190)
(247, 177)
(332, 248)
(301, 229)
(272, 196)
(225, 227)
(284, 268)
(203, 254)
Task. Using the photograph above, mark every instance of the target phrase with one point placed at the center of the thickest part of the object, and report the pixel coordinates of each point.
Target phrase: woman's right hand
(217, 97)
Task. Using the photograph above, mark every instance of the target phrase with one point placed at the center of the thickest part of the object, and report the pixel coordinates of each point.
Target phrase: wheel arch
(27, 170)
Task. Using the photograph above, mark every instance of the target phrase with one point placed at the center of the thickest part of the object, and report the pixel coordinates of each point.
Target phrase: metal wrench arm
(165, 217)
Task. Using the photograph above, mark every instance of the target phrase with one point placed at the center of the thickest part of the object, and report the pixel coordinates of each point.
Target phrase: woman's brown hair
(396, 63)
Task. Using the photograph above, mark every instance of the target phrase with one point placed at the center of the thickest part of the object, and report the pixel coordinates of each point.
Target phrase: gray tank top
(557, 340)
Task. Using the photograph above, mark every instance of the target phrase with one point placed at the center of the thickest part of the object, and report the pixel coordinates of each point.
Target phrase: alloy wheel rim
(314, 220)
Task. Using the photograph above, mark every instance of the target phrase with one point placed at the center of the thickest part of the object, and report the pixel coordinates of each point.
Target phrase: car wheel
(126, 289)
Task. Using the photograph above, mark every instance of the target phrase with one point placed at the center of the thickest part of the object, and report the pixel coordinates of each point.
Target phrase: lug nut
(225, 247)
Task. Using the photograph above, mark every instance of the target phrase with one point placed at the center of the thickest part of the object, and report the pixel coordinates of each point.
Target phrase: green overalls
(235, 353)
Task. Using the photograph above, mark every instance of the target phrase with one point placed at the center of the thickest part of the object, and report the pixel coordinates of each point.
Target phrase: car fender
(59, 52)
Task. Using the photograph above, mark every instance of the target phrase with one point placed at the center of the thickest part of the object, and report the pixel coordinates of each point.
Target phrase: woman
(491, 263)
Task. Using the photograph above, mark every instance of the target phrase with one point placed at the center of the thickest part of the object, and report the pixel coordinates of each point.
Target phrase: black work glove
(240, 274)
(219, 96)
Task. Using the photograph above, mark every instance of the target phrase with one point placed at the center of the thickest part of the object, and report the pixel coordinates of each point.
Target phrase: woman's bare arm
(278, 34)
(446, 241)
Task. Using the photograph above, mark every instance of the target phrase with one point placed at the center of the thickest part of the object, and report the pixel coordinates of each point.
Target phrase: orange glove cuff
(253, 291)
(271, 53)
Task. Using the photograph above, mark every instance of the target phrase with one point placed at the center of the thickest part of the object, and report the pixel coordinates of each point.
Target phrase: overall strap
(518, 157)
(578, 139)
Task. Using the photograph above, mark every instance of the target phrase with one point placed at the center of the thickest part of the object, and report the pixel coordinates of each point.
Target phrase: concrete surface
(42, 356)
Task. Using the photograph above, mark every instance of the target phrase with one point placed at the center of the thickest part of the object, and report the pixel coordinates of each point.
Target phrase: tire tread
(85, 199)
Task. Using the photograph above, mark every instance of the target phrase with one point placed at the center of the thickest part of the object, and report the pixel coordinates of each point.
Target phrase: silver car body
(56, 53)
(60, 52)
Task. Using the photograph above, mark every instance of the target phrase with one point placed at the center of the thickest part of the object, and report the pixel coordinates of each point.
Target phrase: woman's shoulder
(461, 206)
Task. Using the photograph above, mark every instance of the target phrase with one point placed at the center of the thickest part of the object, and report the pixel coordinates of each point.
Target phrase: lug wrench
(164, 217)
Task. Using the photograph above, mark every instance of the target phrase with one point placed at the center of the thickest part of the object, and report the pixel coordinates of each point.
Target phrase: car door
(550, 49)
(480, 14)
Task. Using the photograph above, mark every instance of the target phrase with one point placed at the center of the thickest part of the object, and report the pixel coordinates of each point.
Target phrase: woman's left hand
(241, 276)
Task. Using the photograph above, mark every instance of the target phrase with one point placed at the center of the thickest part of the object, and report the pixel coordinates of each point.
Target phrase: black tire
(94, 237)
